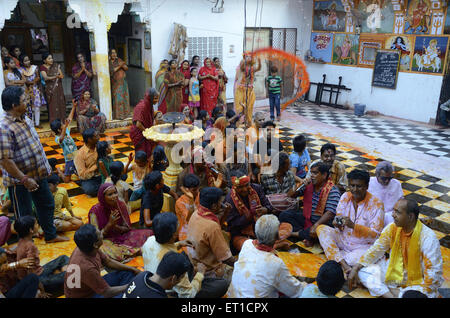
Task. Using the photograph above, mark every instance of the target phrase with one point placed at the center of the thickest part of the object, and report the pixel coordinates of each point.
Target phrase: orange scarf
(307, 201)
(207, 214)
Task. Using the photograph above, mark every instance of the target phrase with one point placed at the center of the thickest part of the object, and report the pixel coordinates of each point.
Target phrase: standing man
(24, 164)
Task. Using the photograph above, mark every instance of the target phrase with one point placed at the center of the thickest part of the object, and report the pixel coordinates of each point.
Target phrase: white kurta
(260, 274)
(389, 195)
(372, 276)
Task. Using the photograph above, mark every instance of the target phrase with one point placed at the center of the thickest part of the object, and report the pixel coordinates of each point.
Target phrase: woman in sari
(209, 76)
(223, 80)
(185, 69)
(14, 77)
(161, 87)
(33, 87)
(81, 77)
(89, 115)
(110, 216)
(244, 96)
(143, 118)
(119, 86)
(54, 92)
(174, 80)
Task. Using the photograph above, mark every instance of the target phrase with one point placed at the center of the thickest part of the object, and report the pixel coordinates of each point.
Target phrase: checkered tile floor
(432, 193)
(433, 142)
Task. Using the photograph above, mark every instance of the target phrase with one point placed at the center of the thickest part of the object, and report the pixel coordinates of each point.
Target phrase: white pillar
(5, 13)
(101, 66)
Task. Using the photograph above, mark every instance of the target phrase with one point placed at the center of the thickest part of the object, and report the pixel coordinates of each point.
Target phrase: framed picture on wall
(39, 41)
(147, 40)
(135, 52)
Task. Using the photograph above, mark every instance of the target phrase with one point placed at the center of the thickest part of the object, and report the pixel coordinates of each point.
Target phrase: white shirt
(389, 194)
(260, 274)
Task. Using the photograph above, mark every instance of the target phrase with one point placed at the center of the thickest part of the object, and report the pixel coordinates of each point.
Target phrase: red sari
(187, 75)
(143, 112)
(210, 91)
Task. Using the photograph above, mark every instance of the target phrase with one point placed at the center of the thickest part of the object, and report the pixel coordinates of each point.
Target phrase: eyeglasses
(384, 179)
(357, 186)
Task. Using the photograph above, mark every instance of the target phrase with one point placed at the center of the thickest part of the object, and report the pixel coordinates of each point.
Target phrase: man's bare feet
(58, 238)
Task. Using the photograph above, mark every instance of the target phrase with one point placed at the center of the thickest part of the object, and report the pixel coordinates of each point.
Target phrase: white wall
(415, 98)
(201, 22)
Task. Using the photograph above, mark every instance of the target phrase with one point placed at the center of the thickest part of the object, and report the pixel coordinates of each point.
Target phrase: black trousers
(26, 288)
(54, 283)
(297, 220)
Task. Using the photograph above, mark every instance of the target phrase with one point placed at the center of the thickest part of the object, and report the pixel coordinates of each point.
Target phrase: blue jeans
(274, 100)
(118, 278)
(137, 194)
(90, 187)
(26, 288)
(42, 198)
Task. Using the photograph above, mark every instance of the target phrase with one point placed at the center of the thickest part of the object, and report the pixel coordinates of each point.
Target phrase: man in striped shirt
(24, 164)
(320, 199)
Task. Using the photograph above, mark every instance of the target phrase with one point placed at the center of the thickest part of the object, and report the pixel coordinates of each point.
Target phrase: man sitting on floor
(204, 231)
(172, 268)
(83, 278)
(165, 240)
(415, 261)
(259, 272)
(358, 223)
(386, 188)
(86, 163)
(337, 169)
(320, 199)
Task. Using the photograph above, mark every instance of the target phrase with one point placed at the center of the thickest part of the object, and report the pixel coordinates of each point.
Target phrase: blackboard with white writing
(385, 71)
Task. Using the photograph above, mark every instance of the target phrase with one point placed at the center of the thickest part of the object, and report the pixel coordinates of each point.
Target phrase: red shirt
(90, 280)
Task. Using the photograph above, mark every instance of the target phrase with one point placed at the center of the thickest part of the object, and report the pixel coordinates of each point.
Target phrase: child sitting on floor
(299, 158)
(51, 275)
(104, 159)
(63, 138)
(116, 170)
(153, 198)
(62, 221)
(140, 169)
(330, 280)
(159, 159)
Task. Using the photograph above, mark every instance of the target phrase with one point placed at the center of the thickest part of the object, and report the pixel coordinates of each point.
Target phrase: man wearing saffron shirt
(205, 233)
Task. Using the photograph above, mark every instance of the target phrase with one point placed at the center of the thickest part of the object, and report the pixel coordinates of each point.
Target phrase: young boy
(274, 86)
(62, 221)
(63, 138)
(51, 275)
(153, 198)
(299, 158)
(140, 169)
(330, 280)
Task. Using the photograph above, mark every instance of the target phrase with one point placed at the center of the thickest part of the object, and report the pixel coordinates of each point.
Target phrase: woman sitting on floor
(110, 216)
(89, 115)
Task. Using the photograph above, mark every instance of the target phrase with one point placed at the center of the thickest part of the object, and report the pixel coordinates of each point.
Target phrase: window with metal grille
(205, 47)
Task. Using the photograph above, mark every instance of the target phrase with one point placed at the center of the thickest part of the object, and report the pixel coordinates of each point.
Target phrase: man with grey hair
(386, 188)
(259, 273)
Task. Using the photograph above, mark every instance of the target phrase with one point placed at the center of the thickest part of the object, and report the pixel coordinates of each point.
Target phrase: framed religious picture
(429, 54)
(321, 46)
(418, 17)
(404, 44)
(368, 47)
(447, 22)
(377, 16)
(147, 40)
(329, 16)
(39, 41)
(345, 49)
(91, 42)
(54, 11)
(135, 52)
(55, 37)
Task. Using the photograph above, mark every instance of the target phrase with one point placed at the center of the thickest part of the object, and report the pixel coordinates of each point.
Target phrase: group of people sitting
(230, 220)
